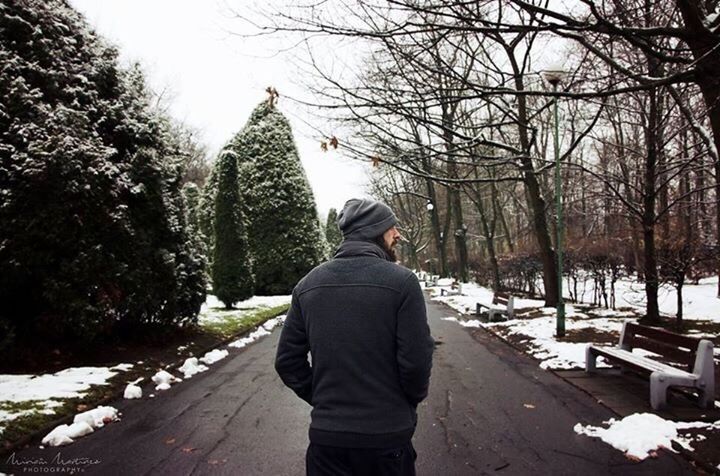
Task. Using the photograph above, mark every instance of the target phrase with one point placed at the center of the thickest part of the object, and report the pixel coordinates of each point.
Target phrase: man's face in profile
(391, 238)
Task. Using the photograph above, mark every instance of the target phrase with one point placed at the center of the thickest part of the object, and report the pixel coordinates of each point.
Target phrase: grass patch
(229, 322)
(27, 405)
(596, 336)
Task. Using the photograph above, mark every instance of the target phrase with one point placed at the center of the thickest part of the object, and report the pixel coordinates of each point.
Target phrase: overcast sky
(217, 78)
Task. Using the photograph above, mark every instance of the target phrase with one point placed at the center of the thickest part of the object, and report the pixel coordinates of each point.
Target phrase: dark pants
(333, 461)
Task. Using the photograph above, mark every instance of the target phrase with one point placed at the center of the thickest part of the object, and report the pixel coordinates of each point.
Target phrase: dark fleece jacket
(363, 320)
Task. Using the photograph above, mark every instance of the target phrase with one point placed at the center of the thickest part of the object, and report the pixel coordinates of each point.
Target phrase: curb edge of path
(688, 455)
(13, 446)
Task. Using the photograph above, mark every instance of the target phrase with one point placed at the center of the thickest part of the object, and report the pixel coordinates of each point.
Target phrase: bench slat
(682, 356)
(638, 360)
(661, 335)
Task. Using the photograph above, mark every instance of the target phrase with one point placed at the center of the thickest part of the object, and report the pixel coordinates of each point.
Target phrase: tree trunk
(435, 224)
(702, 42)
(498, 213)
(460, 235)
(490, 240)
(459, 232)
(535, 200)
(679, 304)
(649, 216)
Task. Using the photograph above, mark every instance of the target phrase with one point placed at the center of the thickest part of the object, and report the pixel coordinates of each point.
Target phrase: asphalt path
(490, 411)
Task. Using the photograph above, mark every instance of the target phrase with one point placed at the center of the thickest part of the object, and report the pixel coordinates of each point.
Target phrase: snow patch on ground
(473, 294)
(700, 300)
(68, 383)
(641, 434)
(47, 390)
(83, 424)
(544, 345)
(541, 340)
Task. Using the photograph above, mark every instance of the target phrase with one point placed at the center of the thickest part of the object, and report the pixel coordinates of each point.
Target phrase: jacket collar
(350, 248)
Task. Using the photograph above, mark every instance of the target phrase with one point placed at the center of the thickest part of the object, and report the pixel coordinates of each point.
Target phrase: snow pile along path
(213, 356)
(470, 323)
(261, 331)
(164, 379)
(132, 391)
(641, 434)
(83, 424)
(192, 367)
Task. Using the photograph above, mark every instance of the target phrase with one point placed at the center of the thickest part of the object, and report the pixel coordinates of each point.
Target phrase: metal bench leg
(707, 399)
(590, 360)
(658, 391)
(704, 367)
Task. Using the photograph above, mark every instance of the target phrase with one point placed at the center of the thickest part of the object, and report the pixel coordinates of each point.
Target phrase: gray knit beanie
(364, 219)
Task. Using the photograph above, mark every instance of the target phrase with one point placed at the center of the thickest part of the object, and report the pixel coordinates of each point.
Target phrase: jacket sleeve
(291, 360)
(414, 343)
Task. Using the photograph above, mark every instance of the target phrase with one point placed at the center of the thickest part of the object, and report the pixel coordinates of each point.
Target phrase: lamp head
(554, 73)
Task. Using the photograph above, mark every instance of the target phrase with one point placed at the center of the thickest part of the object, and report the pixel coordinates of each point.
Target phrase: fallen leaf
(82, 407)
(528, 405)
(188, 449)
(170, 441)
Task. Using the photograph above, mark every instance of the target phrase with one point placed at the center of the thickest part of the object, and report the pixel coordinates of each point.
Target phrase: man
(362, 317)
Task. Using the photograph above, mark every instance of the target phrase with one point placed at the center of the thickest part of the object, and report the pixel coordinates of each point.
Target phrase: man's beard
(389, 250)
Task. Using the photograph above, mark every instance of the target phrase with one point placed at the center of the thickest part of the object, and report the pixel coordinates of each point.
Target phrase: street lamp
(554, 75)
(429, 206)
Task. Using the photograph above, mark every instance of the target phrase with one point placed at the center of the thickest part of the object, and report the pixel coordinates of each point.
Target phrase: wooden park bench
(696, 356)
(499, 299)
(455, 289)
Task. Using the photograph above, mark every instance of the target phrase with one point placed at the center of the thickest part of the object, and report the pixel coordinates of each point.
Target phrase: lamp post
(554, 76)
